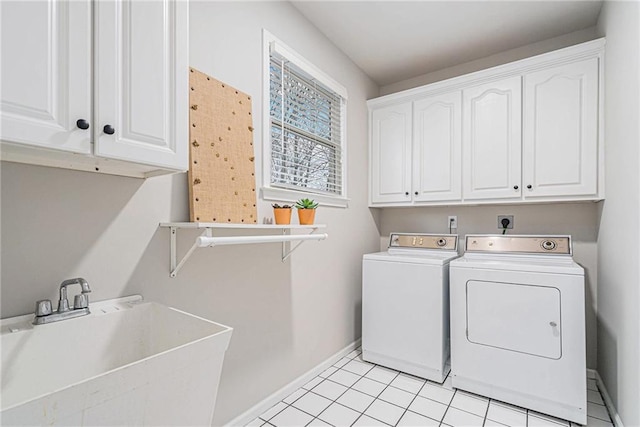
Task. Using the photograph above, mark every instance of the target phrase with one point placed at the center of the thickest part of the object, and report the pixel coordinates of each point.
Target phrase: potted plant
(282, 214)
(306, 211)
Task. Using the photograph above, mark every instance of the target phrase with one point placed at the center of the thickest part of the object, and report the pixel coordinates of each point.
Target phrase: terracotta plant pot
(282, 215)
(306, 216)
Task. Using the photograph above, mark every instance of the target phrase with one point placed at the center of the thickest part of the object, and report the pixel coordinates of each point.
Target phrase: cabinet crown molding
(590, 49)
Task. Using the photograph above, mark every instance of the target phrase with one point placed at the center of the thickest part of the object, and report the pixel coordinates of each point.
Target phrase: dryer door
(515, 317)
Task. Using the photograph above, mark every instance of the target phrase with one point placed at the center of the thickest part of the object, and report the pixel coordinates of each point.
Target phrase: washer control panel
(424, 241)
(519, 244)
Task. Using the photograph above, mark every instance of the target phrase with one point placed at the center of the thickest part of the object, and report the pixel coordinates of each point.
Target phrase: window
(306, 123)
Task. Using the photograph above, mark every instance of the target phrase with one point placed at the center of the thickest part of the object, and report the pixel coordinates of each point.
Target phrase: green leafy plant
(306, 204)
(277, 206)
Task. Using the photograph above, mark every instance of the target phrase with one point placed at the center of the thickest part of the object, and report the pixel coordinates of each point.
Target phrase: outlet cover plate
(509, 217)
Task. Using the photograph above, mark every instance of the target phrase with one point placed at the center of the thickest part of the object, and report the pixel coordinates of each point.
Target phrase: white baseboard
(617, 421)
(256, 410)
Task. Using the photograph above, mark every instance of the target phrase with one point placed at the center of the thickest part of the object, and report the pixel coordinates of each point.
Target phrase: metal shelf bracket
(206, 239)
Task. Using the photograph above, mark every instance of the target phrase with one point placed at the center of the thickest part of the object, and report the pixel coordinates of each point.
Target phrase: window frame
(287, 194)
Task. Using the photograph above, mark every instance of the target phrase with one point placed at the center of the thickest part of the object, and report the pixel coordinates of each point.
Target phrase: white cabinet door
(437, 124)
(492, 140)
(141, 82)
(391, 154)
(561, 131)
(46, 74)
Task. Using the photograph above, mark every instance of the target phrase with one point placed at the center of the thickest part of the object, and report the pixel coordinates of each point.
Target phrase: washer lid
(435, 257)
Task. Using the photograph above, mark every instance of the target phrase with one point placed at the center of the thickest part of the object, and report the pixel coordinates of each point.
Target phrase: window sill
(287, 195)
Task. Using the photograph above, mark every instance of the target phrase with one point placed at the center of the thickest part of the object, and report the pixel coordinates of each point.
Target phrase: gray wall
(619, 234)
(287, 317)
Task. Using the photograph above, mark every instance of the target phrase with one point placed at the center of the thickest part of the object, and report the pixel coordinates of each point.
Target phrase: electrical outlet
(507, 217)
(453, 221)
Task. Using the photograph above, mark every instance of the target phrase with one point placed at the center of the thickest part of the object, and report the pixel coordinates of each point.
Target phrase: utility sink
(129, 362)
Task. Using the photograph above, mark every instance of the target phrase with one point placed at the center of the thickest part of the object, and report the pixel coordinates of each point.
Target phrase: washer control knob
(441, 242)
(548, 245)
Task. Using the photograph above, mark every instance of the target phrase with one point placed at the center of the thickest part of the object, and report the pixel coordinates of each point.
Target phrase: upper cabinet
(141, 83)
(99, 86)
(46, 74)
(560, 139)
(529, 131)
(436, 149)
(492, 140)
(391, 154)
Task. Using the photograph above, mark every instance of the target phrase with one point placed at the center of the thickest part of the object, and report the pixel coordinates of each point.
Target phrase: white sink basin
(127, 363)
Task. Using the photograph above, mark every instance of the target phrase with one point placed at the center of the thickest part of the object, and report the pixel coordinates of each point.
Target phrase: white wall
(287, 317)
(619, 234)
(494, 60)
(577, 219)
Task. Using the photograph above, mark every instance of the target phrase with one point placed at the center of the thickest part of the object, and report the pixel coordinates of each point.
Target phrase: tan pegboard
(222, 184)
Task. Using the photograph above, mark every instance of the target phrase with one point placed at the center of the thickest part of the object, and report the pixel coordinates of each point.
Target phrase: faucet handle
(43, 308)
(80, 301)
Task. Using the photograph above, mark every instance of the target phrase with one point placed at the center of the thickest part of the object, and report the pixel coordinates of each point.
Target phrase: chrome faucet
(44, 313)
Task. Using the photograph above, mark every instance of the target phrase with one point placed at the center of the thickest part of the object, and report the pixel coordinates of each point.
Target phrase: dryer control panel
(424, 241)
(542, 245)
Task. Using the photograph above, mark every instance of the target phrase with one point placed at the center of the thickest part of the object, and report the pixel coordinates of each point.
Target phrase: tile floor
(353, 392)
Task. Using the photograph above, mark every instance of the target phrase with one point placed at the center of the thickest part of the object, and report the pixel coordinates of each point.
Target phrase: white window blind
(306, 130)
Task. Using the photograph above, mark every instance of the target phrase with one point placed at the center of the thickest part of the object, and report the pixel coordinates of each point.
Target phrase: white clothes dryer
(518, 323)
(405, 304)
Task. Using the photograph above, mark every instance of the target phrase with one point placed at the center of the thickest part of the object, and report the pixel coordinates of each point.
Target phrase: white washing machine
(518, 325)
(405, 304)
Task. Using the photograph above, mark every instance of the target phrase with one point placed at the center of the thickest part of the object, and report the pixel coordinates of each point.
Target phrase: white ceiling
(396, 40)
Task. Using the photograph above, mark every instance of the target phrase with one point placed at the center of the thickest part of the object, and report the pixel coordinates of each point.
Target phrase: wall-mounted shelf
(207, 239)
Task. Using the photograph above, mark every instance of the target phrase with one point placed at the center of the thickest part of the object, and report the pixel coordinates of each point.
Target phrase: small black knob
(82, 124)
(515, 187)
(108, 129)
(529, 186)
(416, 193)
(406, 193)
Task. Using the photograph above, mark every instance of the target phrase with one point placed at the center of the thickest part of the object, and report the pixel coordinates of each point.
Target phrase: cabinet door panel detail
(144, 70)
(46, 73)
(560, 130)
(437, 147)
(390, 156)
(145, 74)
(492, 140)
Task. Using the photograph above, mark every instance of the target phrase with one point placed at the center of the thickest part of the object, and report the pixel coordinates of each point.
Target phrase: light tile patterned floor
(356, 393)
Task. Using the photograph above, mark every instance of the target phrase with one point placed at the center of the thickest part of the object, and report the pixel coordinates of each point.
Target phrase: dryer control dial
(548, 245)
